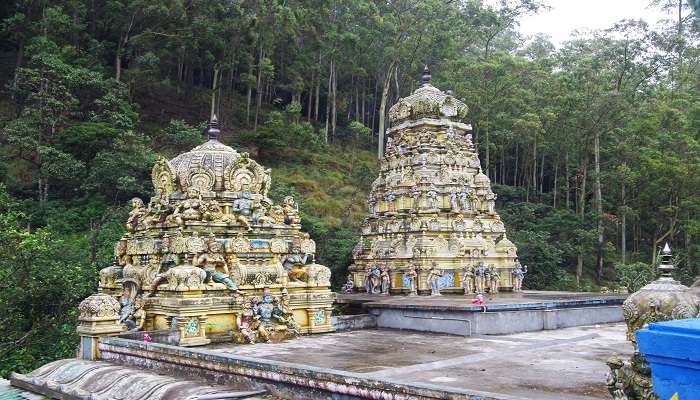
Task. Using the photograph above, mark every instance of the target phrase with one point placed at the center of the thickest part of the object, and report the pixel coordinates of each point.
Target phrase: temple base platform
(365, 364)
(502, 313)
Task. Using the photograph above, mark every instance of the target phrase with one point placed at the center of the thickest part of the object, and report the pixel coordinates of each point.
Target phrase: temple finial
(425, 76)
(666, 265)
(213, 131)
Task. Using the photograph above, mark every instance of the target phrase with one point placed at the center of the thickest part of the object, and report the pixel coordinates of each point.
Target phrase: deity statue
(493, 278)
(263, 308)
(433, 279)
(294, 264)
(191, 206)
(412, 276)
(491, 202)
(519, 272)
(136, 215)
(480, 277)
(243, 208)
(211, 211)
(468, 280)
(282, 314)
(372, 205)
(454, 201)
(349, 285)
(385, 281)
(212, 259)
(373, 281)
(433, 200)
(249, 324)
(291, 211)
(131, 312)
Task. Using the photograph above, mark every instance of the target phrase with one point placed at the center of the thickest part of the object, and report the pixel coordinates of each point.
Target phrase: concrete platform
(391, 364)
(561, 364)
(502, 314)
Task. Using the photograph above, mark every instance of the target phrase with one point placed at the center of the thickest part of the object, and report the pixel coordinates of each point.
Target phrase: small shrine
(664, 299)
(210, 256)
(432, 224)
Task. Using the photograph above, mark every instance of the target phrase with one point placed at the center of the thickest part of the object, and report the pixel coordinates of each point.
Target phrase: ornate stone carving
(662, 300)
(163, 177)
(98, 307)
(430, 187)
(184, 278)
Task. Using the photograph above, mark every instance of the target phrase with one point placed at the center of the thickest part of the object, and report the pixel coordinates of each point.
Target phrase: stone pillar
(99, 316)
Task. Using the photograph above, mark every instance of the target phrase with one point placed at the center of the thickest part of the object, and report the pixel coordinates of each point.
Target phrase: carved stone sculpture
(412, 277)
(662, 300)
(519, 272)
(430, 186)
(468, 280)
(209, 237)
(433, 279)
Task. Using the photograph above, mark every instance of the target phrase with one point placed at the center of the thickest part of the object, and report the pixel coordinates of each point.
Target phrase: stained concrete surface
(457, 300)
(557, 364)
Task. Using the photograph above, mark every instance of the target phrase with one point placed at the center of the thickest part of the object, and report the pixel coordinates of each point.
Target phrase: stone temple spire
(425, 76)
(666, 265)
(213, 132)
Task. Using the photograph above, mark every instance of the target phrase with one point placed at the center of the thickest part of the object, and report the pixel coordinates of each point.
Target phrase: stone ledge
(288, 380)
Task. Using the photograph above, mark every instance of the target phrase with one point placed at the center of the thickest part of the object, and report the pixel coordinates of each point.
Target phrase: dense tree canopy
(593, 147)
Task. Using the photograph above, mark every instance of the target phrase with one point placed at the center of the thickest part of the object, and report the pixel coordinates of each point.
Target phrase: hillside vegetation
(593, 147)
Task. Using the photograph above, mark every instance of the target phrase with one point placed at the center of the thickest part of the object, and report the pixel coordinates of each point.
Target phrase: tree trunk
(249, 96)
(599, 206)
(328, 99)
(581, 205)
(318, 88)
(623, 238)
(568, 178)
(556, 176)
(542, 175)
(335, 99)
(309, 103)
(515, 166)
(214, 88)
(382, 110)
(364, 96)
(258, 89)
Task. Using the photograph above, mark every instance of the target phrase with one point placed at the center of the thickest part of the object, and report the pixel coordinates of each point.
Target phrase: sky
(565, 16)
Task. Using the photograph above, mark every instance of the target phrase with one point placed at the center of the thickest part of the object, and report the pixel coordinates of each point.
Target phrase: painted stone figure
(243, 207)
(136, 215)
(433, 279)
(214, 264)
(412, 277)
(250, 325)
(373, 280)
(494, 278)
(519, 272)
(385, 281)
(468, 280)
(349, 285)
(480, 277)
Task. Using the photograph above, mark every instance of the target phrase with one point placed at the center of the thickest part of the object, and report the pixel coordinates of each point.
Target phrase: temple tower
(212, 258)
(432, 207)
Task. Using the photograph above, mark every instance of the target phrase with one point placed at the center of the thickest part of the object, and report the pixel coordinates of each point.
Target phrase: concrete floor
(556, 364)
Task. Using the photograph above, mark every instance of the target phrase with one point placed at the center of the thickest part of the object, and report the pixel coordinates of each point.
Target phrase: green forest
(593, 146)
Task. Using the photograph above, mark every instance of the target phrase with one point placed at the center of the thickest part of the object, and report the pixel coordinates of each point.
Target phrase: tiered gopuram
(211, 257)
(432, 225)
